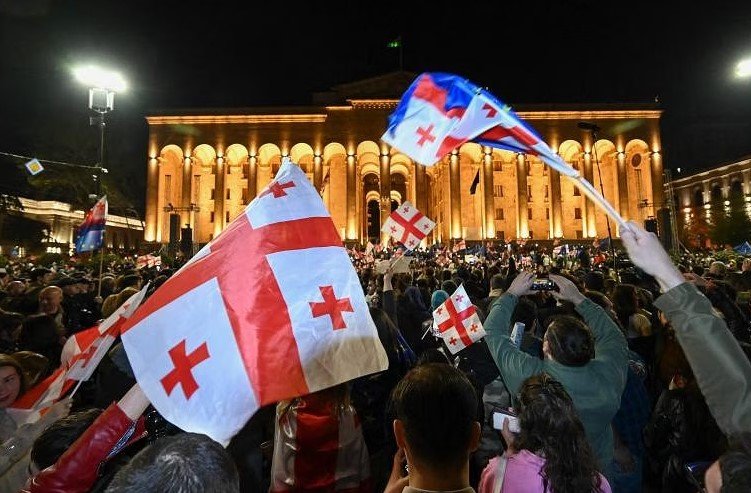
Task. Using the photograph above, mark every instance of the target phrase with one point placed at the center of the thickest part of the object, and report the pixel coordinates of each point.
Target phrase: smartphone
(542, 284)
(517, 334)
(500, 416)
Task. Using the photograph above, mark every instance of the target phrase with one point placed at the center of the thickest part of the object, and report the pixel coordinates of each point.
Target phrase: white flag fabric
(457, 322)
(408, 225)
(269, 310)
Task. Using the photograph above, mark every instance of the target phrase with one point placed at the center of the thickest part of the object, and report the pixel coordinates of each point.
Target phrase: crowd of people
(627, 377)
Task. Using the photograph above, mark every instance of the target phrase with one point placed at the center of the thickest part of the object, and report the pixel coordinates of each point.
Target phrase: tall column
(623, 208)
(658, 184)
(590, 226)
(187, 192)
(317, 172)
(252, 177)
(556, 216)
(455, 202)
(421, 190)
(351, 230)
(218, 195)
(152, 199)
(522, 219)
(385, 182)
(746, 182)
(487, 193)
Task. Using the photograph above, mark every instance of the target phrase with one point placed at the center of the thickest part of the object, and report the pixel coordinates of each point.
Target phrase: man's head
(15, 288)
(436, 417)
(50, 299)
(498, 281)
(568, 341)
(746, 265)
(41, 276)
(185, 463)
(59, 436)
(718, 269)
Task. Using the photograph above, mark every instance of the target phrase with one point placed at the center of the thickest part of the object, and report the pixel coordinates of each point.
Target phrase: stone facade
(206, 165)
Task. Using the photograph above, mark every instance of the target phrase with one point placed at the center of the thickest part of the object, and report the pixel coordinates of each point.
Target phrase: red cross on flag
(408, 225)
(457, 322)
(269, 310)
(81, 355)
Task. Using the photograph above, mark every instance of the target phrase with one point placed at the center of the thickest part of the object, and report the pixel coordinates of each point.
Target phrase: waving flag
(269, 310)
(408, 225)
(91, 231)
(457, 322)
(439, 112)
(81, 355)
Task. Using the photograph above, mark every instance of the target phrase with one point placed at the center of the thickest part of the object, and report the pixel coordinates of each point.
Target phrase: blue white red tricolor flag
(439, 112)
(91, 231)
(269, 310)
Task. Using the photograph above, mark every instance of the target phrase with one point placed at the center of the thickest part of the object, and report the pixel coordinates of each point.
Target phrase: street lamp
(743, 69)
(103, 84)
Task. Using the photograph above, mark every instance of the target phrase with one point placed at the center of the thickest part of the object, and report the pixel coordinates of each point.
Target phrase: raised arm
(722, 370)
(514, 364)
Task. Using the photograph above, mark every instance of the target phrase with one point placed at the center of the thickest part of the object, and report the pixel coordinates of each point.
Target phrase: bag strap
(500, 473)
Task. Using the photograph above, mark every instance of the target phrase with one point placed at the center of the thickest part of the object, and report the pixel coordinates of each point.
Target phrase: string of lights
(47, 161)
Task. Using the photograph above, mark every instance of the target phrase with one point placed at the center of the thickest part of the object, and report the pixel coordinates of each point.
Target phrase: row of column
(556, 216)
(421, 193)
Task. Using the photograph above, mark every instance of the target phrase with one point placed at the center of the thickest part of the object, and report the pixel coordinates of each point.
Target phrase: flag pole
(101, 265)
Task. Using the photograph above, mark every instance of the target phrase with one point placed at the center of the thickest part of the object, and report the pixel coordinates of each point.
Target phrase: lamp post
(743, 69)
(103, 84)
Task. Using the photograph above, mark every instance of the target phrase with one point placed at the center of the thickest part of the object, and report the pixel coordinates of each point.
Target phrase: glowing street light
(103, 84)
(743, 69)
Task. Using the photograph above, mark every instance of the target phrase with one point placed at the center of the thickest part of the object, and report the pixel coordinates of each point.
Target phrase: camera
(543, 284)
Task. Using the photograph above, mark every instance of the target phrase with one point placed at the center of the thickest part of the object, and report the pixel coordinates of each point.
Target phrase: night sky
(224, 54)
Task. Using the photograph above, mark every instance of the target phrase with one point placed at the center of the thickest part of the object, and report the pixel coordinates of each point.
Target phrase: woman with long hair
(550, 454)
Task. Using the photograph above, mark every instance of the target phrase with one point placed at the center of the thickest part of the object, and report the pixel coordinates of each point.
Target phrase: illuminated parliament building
(205, 166)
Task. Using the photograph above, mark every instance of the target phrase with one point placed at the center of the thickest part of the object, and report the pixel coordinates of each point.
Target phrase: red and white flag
(81, 355)
(457, 322)
(271, 309)
(459, 246)
(35, 402)
(408, 225)
(318, 446)
(80, 342)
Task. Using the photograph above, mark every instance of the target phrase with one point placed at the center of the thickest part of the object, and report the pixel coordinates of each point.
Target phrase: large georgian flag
(269, 310)
(457, 322)
(408, 225)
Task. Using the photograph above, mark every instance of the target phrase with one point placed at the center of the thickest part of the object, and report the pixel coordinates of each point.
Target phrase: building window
(531, 234)
(228, 194)
(547, 213)
(499, 214)
(500, 235)
(211, 217)
(577, 193)
(529, 213)
(577, 213)
(497, 190)
(167, 188)
(213, 194)
(226, 217)
(547, 192)
(529, 192)
(544, 169)
(245, 196)
(579, 234)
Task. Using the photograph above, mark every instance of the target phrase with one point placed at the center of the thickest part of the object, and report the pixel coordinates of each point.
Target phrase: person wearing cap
(40, 277)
